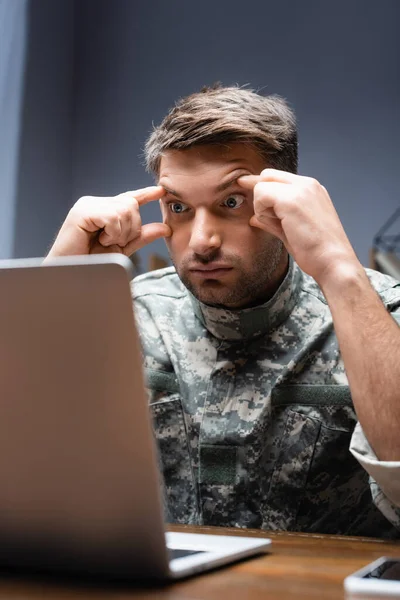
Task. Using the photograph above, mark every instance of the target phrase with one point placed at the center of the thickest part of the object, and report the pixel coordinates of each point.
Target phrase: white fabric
(385, 473)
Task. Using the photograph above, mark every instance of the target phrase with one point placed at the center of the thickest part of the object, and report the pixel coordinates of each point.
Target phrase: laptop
(79, 483)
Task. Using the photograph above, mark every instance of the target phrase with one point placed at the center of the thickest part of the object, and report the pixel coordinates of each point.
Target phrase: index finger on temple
(249, 181)
(148, 194)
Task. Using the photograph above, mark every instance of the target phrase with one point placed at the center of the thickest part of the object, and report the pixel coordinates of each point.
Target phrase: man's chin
(212, 293)
(217, 296)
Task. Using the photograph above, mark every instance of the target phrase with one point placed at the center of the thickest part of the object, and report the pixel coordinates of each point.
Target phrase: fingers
(131, 223)
(126, 224)
(272, 225)
(121, 221)
(268, 195)
(111, 233)
(149, 233)
(104, 224)
(117, 220)
(279, 176)
(274, 175)
(145, 195)
(248, 181)
(273, 199)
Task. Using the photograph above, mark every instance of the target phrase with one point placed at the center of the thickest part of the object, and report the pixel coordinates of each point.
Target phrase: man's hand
(299, 211)
(96, 225)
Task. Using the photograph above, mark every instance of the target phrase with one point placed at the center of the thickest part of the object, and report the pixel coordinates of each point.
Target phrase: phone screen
(390, 569)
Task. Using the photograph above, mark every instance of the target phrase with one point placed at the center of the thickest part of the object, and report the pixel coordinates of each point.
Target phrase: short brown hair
(219, 115)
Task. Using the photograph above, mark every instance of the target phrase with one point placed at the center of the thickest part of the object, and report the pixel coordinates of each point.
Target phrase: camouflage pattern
(252, 411)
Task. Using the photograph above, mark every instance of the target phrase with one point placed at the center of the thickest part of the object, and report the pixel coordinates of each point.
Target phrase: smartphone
(380, 578)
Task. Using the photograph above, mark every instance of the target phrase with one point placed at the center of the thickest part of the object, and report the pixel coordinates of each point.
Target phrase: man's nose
(205, 235)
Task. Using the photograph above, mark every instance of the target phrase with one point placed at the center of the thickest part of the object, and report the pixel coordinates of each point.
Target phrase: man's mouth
(211, 270)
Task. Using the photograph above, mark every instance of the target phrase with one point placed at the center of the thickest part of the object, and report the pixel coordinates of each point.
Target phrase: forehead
(208, 163)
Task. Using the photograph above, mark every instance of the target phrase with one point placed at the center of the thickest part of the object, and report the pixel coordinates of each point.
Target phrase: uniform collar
(252, 322)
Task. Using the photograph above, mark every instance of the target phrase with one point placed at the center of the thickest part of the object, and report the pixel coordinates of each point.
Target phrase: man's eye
(177, 207)
(234, 201)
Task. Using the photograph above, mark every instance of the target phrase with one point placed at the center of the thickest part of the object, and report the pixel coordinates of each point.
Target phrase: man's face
(218, 256)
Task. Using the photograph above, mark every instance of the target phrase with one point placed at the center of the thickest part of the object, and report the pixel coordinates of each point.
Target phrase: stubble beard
(251, 288)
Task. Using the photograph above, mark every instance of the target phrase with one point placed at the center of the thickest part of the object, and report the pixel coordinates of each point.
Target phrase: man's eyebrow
(227, 184)
(170, 191)
(220, 188)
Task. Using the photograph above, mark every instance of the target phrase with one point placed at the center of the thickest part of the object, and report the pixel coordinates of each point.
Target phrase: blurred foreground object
(385, 251)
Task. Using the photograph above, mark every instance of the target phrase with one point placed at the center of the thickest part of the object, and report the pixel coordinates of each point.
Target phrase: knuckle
(124, 212)
(313, 184)
(259, 188)
(136, 222)
(132, 205)
(81, 203)
(83, 199)
(266, 172)
(127, 197)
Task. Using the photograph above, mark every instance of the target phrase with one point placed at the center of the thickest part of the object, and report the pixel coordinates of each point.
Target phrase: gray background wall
(13, 28)
(44, 186)
(101, 71)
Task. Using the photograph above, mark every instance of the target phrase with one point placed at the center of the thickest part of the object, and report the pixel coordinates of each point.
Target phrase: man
(271, 358)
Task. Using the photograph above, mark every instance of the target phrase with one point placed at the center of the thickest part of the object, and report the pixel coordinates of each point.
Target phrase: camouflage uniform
(253, 414)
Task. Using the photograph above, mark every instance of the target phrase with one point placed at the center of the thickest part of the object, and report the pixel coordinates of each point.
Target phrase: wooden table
(299, 566)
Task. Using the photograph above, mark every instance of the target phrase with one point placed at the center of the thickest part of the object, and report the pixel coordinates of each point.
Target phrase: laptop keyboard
(181, 552)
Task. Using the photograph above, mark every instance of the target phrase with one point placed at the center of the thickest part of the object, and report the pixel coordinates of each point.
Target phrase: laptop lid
(79, 489)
